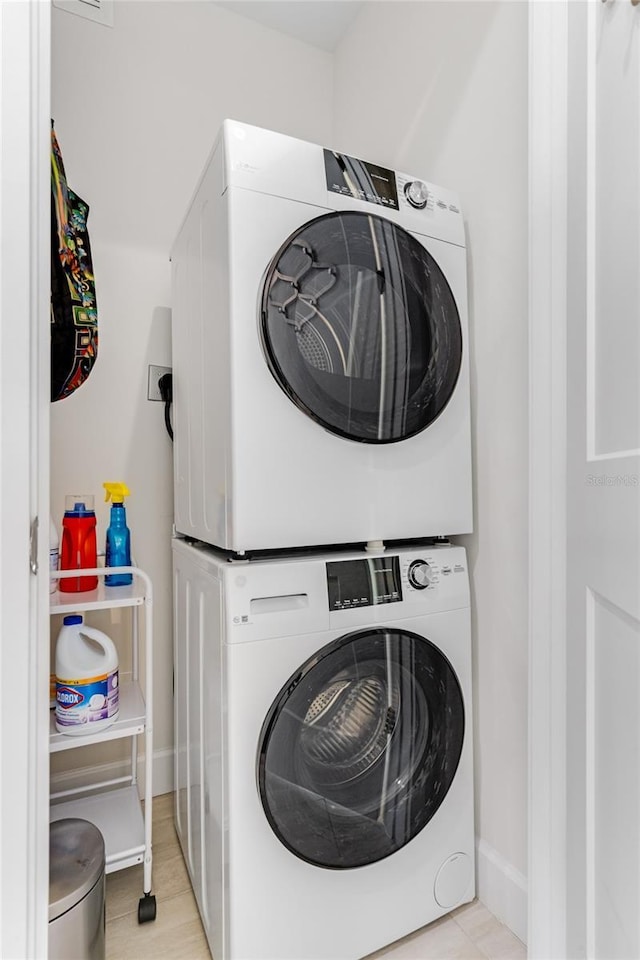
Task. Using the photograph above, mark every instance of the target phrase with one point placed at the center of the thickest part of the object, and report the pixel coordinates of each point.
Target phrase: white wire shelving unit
(114, 805)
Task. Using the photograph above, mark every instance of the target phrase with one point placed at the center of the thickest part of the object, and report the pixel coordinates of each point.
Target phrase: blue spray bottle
(118, 546)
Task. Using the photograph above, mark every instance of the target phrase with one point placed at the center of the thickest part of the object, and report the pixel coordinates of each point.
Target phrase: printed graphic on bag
(74, 315)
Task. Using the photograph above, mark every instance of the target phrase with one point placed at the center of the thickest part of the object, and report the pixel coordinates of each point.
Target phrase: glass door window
(360, 327)
(360, 748)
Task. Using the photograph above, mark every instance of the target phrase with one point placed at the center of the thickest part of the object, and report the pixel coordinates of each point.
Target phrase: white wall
(440, 90)
(136, 109)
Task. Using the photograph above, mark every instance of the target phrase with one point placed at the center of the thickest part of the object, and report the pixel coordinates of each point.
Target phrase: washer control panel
(363, 582)
(419, 574)
(427, 571)
(371, 581)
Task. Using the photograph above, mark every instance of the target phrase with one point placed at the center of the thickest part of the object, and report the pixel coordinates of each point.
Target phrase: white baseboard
(162, 772)
(89, 776)
(502, 889)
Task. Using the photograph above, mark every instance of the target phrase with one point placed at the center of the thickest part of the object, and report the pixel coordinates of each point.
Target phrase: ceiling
(319, 22)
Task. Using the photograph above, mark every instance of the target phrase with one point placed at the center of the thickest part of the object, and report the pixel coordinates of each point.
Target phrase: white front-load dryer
(320, 351)
(324, 782)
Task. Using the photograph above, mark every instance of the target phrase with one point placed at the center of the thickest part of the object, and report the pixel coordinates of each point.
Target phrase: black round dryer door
(360, 748)
(360, 327)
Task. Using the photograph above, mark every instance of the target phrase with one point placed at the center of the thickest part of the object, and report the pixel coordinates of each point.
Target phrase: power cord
(165, 386)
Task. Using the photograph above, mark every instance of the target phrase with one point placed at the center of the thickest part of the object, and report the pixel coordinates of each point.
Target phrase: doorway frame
(548, 264)
(547, 473)
(25, 42)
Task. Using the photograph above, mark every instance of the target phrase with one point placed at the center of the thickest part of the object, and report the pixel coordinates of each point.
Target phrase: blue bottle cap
(74, 618)
(79, 510)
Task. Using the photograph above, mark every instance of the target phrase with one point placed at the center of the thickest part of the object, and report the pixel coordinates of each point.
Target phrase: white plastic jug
(54, 555)
(87, 693)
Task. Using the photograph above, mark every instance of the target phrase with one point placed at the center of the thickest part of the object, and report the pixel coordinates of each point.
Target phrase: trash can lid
(76, 863)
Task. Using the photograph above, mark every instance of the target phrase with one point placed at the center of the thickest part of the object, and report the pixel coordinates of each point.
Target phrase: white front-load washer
(320, 351)
(324, 783)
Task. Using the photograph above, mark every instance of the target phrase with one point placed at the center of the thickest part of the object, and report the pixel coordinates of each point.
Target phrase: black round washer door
(360, 327)
(360, 748)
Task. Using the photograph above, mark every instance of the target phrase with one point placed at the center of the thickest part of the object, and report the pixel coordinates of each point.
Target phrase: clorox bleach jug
(87, 691)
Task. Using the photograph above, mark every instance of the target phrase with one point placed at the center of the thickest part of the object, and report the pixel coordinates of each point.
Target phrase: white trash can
(76, 891)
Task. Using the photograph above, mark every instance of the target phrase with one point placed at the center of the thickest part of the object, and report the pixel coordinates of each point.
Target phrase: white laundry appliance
(320, 351)
(324, 785)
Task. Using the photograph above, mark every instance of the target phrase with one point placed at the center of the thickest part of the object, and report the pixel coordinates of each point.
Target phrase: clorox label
(66, 697)
(80, 703)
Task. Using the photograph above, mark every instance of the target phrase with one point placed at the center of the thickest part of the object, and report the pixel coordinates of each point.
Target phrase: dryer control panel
(360, 179)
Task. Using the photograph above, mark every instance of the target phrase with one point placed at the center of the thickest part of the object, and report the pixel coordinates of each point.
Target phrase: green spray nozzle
(116, 492)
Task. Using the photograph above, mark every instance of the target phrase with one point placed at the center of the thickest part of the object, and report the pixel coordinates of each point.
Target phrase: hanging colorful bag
(74, 315)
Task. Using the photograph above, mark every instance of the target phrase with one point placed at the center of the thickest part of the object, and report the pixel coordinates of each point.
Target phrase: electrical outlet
(153, 390)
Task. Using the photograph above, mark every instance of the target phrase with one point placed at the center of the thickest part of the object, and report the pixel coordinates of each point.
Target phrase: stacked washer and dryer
(323, 728)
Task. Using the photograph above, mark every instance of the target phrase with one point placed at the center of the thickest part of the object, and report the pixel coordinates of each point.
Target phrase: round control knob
(419, 574)
(417, 194)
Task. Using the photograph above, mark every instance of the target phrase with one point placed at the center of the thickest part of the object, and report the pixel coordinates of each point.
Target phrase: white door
(585, 758)
(24, 476)
(603, 482)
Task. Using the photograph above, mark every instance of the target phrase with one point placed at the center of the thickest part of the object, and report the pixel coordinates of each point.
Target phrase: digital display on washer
(359, 179)
(363, 583)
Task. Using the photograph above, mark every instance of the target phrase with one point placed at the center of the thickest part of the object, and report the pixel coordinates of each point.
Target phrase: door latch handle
(33, 546)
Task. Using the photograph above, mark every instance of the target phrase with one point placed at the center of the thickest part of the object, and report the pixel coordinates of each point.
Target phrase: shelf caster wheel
(146, 908)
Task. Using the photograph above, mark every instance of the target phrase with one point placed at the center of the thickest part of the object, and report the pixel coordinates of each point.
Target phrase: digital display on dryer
(363, 583)
(361, 180)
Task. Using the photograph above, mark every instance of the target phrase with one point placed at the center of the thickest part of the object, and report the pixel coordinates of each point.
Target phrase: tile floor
(469, 933)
